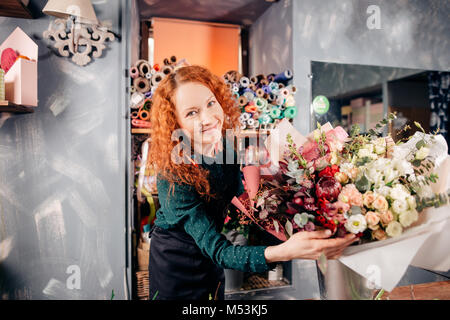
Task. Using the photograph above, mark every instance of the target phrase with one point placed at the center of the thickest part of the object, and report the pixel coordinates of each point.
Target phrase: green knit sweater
(204, 220)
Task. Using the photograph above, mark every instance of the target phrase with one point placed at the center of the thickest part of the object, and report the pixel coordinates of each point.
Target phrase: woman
(188, 252)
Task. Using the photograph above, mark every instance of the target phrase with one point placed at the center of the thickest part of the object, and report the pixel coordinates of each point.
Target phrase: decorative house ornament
(77, 32)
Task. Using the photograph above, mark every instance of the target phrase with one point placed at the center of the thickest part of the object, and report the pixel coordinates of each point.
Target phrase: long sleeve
(186, 207)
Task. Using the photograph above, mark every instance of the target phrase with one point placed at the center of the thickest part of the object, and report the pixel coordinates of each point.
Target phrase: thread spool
(144, 68)
(141, 84)
(260, 93)
(134, 72)
(157, 78)
(284, 92)
(134, 115)
(290, 112)
(144, 115)
(242, 101)
(166, 70)
(284, 76)
(275, 113)
(245, 82)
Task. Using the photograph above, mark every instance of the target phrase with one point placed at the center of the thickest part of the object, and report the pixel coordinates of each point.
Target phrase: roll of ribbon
(272, 98)
(253, 87)
(245, 116)
(273, 87)
(266, 89)
(251, 108)
(147, 104)
(166, 62)
(290, 101)
(144, 115)
(280, 100)
(166, 70)
(132, 89)
(141, 84)
(249, 95)
(148, 76)
(134, 115)
(144, 68)
(140, 123)
(290, 112)
(275, 113)
(284, 76)
(157, 78)
(245, 82)
(242, 101)
(267, 108)
(260, 93)
(264, 118)
(134, 72)
(264, 82)
(235, 88)
(136, 99)
(236, 95)
(250, 122)
(281, 86)
(173, 59)
(260, 103)
(270, 77)
(284, 92)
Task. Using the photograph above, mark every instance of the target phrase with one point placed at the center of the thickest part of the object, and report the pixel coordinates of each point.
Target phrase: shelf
(6, 106)
(140, 130)
(15, 9)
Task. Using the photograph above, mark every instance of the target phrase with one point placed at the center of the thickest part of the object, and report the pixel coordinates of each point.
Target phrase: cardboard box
(21, 79)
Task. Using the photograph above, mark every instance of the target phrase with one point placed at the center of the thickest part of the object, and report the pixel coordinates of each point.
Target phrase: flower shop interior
(74, 198)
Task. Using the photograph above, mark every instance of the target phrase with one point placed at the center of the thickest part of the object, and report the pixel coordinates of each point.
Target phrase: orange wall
(215, 46)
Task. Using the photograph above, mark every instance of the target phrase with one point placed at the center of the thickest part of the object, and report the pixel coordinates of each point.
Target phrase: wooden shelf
(6, 106)
(140, 130)
(15, 9)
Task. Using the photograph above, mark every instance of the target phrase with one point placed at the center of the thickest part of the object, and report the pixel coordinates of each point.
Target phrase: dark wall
(63, 172)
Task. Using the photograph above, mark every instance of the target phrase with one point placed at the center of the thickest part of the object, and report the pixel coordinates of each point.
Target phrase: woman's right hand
(309, 245)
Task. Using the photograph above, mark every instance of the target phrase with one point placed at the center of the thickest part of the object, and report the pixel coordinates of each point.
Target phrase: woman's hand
(309, 245)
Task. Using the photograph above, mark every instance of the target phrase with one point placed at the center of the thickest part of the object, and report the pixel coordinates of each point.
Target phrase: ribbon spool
(275, 113)
(250, 122)
(132, 89)
(136, 99)
(249, 95)
(144, 115)
(134, 72)
(242, 101)
(284, 76)
(284, 92)
(264, 82)
(280, 100)
(235, 87)
(260, 103)
(290, 112)
(251, 108)
(166, 62)
(141, 84)
(173, 59)
(272, 97)
(253, 87)
(245, 82)
(134, 114)
(266, 89)
(245, 116)
(271, 77)
(290, 101)
(157, 78)
(264, 118)
(267, 108)
(166, 70)
(144, 68)
(260, 93)
(148, 76)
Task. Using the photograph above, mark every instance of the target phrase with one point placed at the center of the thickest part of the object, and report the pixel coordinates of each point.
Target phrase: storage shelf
(6, 106)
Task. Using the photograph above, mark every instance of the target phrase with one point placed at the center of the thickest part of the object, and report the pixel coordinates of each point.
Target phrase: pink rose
(351, 195)
(368, 199)
(380, 203)
(379, 234)
(310, 151)
(372, 219)
(386, 217)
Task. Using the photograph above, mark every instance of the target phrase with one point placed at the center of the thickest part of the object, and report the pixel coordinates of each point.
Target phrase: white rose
(399, 206)
(356, 224)
(399, 192)
(408, 217)
(383, 190)
(411, 200)
(363, 153)
(422, 153)
(394, 229)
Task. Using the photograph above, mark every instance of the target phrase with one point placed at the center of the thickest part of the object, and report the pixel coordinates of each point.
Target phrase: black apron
(179, 271)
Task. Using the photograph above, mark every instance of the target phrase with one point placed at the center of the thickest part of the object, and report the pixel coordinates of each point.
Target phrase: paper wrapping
(425, 244)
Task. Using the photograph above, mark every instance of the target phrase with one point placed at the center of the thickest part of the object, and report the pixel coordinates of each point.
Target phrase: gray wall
(63, 172)
(413, 34)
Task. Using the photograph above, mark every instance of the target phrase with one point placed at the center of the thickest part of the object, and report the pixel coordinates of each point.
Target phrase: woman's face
(199, 113)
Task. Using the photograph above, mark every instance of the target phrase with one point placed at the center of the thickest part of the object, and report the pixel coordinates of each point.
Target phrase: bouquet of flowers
(359, 183)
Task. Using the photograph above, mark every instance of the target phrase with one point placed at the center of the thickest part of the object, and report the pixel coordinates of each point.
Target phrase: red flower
(329, 171)
(328, 188)
(321, 220)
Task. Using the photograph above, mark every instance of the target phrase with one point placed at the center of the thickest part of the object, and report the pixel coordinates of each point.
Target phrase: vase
(342, 283)
(234, 278)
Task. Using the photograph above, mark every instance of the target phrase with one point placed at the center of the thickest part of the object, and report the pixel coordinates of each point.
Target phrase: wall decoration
(78, 28)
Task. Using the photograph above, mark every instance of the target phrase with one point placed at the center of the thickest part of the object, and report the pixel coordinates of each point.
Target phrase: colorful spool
(251, 108)
(144, 115)
(134, 115)
(260, 103)
(290, 112)
(242, 101)
(264, 118)
(260, 93)
(144, 68)
(134, 72)
(284, 76)
(141, 84)
(275, 113)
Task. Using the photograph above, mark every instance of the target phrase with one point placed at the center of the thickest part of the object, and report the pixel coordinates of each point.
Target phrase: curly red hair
(164, 122)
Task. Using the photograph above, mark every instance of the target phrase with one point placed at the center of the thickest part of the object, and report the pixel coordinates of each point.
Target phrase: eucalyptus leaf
(289, 228)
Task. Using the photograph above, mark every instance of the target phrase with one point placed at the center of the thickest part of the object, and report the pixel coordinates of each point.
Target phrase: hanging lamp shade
(82, 9)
